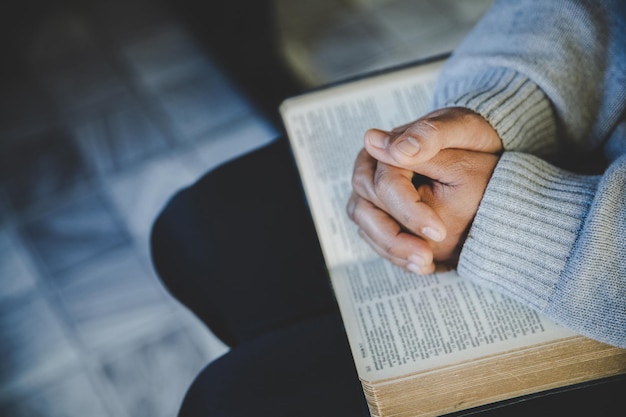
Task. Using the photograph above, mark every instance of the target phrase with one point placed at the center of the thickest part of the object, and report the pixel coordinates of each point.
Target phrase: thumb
(454, 167)
(445, 167)
(421, 140)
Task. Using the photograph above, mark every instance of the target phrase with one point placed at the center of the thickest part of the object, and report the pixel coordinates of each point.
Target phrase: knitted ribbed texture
(530, 240)
(595, 274)
(517, 109)
(526, 226)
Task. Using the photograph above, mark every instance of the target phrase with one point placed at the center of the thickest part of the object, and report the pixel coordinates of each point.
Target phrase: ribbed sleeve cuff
(526, 225)
(516, 107)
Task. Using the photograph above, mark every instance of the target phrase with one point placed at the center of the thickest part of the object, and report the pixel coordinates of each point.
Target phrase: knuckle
(363, 213)
(350, 208)
(389, 248)
(389, 245)
(409, 220)
(382, 180)
(426, 127)
(360, 183)
(403, 159)
(355, 211)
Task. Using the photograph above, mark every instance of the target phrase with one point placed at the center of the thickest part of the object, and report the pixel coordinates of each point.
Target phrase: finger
(414, 263)
(452, 167)
(387, 237)
(417, 143)
(403, 202)
(421, 140)
(363, 178)
(391, 190)
(351, 206)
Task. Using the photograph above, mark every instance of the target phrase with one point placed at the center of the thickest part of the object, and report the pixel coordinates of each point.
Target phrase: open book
(422, 345)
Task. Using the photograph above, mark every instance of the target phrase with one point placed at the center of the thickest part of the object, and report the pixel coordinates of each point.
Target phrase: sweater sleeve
(550, 76)
(555, 241)
(543, 72)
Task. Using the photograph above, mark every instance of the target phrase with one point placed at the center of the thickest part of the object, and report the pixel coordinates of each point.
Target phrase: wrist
(515, 107)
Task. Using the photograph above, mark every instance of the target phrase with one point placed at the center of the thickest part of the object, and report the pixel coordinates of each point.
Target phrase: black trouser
(238, 248)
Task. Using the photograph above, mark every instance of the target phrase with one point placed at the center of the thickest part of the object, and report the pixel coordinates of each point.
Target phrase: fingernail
(418, 260)
(433, 234)
(414, 268)
(378, 140)
(409, 146)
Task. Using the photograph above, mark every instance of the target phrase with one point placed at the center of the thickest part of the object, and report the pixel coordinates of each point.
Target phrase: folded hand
(417, 212)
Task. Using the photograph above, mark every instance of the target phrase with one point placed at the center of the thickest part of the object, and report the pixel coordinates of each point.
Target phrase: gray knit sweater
(550, 76)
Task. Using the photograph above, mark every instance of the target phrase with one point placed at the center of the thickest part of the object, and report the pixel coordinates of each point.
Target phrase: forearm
(555, 241)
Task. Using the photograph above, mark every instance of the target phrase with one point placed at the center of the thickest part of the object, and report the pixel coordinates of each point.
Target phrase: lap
(301, 370)
(239, 248)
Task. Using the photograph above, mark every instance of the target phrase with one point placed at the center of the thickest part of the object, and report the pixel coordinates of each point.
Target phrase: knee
(160, 238)
(169, 239)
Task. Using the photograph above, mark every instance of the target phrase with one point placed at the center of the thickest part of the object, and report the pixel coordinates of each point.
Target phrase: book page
(396, 322)
(326, 131)
(400, 323)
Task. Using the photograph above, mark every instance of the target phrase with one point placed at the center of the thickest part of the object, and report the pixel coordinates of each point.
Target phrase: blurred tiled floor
(112, 109)
(101, 127)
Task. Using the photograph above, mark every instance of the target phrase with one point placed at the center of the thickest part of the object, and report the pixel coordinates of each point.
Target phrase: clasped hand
(417, 188)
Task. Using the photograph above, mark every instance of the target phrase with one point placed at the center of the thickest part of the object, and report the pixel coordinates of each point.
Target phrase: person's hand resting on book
(416, 142)
(415, 208)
